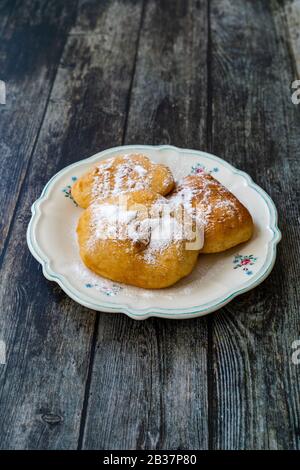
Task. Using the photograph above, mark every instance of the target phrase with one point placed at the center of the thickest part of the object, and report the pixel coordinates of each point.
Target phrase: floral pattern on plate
(67, 191)
(200, 168)
(244, 261)
(110, 291)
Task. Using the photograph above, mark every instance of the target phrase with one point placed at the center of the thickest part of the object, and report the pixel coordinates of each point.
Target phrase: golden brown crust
(140, 261)
(226, 221)
(120, 174)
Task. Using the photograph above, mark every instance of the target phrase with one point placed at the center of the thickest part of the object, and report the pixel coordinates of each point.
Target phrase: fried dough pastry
(135, 239)
(121, 174)
(226, 221)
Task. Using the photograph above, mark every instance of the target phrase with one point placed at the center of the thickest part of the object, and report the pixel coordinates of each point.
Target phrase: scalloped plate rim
(142, 314)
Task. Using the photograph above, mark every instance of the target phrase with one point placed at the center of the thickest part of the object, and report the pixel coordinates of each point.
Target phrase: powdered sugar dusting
(209, 275)
(164, 231)
(197, 201)
(96, 285)
(113, 178)
(150, 229)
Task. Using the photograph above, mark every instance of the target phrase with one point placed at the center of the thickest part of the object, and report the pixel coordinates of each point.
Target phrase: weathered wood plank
(226, 381)
(149, 381)
(171, 81)
(32, 39)
(6, 8)
(290, 13)
(255, 127)
(148, 387)
(49, 337)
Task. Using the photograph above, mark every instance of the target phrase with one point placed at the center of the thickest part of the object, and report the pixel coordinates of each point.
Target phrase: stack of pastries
(141, 228)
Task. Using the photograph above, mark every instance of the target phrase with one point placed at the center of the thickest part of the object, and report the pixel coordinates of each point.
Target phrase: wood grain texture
(289, 14)
(255, 127)
(169, 100)
(213, 75)
(6, 9)
(48, 336)
(32, 38)
(149, 379)
(148, 388)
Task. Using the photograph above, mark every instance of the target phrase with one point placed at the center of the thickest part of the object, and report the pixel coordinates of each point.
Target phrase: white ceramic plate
(215, 281)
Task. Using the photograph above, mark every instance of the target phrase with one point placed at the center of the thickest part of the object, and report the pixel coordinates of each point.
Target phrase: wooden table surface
(81, 77)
